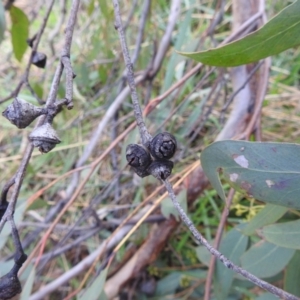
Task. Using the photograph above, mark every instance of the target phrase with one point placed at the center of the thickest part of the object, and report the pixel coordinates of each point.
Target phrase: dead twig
(17, 180)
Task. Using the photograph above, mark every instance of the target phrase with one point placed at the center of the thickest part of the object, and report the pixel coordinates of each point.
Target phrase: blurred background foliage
(180, 269)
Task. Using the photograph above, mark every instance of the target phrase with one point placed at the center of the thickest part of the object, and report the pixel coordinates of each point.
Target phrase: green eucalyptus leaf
(19, 31)
(203, 254)
(233, 245)
(26, 292)
(96, 290)
(292, 275)
(266, 260)
(266, 296)
(279, 34)
(269, 172)
(91, 7)
(168, 284)
(38, 89)
(5, 266)
(283, 234)
(268, 215)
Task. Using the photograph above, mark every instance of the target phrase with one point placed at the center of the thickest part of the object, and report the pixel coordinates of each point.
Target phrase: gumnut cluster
(155, 159)
(21, 114)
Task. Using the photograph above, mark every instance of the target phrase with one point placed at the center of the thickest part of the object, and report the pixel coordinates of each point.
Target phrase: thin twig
(230, 99)
(50, 100)
(141, 219)
(62, 249)
(141, 215)
(20, 256)
(145, 135)
(224, 260)
(131, 13)
(145, 139)
(21, 171)
(197, 87)
(215, 89)
(108, 244)
(17, 186)
(33, 93)
(120, 99)
(17, 180)
(69, 80)
(152, 106)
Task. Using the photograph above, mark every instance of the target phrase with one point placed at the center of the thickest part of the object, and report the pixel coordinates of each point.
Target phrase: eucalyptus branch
(107, 245)
(145, 135)
(69, 80)
(161, 172)
(50, 101)
(9, 284)
(124, 93)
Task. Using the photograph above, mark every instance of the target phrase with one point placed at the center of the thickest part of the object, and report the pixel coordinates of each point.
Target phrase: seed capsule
(44, 137)
(163, 146)
(141, 171)
(161, 169)
(9, 284)
(137, 156)
(21, 113)
(39, 59)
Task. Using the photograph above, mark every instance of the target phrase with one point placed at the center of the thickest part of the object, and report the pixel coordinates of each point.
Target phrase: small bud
(44, 137)
(161, 169)
(137, 156)
(163, 146)
(39, 59)
(21, 113)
